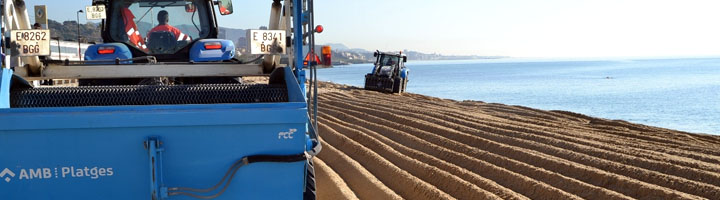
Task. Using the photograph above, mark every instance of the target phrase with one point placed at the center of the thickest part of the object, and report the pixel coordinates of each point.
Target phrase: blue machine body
(199, 53)
(121, 52)
(99, 152)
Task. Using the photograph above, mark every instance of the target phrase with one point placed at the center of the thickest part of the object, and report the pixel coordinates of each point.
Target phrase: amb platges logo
(56, 173)
(7, 172)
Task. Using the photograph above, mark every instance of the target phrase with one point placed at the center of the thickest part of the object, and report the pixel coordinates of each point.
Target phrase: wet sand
(409, 146)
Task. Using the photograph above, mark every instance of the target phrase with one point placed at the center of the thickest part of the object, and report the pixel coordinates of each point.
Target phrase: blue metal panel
(121, 52)
(198, 53)
(6, 76)
(194, 156)
(295, 93)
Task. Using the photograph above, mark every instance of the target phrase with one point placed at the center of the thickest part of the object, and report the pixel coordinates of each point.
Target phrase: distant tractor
(389, 74)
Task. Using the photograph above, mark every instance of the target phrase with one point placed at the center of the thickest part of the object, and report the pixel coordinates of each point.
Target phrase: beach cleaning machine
(389, 73)
(160, 110)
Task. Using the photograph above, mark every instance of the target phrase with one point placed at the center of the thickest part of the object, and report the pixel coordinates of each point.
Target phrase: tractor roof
(400, 54)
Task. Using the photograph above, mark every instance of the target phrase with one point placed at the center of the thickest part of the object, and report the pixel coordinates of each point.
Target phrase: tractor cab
(168, 30)
(389, 73)
(162, 31)
(389, 65)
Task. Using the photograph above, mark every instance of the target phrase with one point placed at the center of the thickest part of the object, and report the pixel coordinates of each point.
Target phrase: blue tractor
(161, 110)
(389, 73)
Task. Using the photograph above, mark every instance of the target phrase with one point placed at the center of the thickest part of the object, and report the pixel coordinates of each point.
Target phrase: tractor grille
(147, 95)
(379, 83)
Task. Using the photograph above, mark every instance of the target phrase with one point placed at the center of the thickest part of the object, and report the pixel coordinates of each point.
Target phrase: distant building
(242, 43)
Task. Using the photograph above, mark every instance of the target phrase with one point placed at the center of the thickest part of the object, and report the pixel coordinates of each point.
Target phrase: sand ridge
(389, 146)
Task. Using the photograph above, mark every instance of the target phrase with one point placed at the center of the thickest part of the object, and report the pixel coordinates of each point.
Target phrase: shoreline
(419, 147)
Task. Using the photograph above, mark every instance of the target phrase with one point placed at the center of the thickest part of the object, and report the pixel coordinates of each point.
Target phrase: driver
(390, 62)
(163, 19)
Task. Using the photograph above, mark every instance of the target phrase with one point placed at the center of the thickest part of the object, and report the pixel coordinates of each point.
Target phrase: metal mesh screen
(147, 95)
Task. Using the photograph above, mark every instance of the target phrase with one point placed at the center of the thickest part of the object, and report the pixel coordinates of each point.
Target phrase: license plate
(266, 41)
(95, 12)
(30, 42)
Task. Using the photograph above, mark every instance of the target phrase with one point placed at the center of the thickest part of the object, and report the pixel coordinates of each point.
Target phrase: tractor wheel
(397, 83)
(309, 193)
(368, 82)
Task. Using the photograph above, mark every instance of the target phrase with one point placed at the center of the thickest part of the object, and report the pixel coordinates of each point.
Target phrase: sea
(675, 93)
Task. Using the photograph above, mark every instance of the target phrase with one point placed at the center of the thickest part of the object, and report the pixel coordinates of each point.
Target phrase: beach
(410, 146)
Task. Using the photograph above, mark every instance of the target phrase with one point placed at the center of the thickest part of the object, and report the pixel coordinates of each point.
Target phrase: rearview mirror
(189, 7)
(225, 7)
(404, 58)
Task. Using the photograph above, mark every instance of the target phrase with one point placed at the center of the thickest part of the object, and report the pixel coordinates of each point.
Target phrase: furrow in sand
(400, 181)
(569, 152)
(667, 136)
(578, 125)
(706, 143)
(334, 187)
(657, 138)
(567, 144)
(603, 139)
(363, 183)
(452, 109)
(380, 126)
(589, 137)
(677, 183)
(443, 180)
(587, 174)
(509, 111)
(519, 113)
(416, 153)
(626, 131)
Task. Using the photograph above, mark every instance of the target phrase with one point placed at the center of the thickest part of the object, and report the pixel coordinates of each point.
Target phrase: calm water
(682, 94)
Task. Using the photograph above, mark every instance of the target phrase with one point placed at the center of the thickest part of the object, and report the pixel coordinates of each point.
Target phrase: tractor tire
(309, 193)
(369, 82)
(396, 86)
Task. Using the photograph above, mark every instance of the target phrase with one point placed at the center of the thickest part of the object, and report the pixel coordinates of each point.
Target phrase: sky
(516, 28)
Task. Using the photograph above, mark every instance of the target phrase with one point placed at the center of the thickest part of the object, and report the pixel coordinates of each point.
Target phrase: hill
(67, 31)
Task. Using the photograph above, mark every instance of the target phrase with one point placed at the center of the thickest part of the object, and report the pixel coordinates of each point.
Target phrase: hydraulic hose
(231, 172)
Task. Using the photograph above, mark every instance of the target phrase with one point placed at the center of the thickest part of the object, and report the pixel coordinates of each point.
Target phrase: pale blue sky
(520, 28)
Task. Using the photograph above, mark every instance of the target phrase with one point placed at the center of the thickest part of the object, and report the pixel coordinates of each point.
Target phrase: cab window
(159, 26)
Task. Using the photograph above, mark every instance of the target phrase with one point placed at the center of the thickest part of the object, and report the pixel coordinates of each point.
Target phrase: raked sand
(409, 146)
